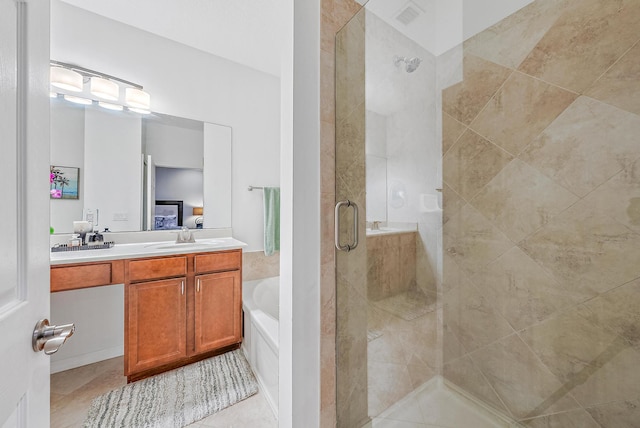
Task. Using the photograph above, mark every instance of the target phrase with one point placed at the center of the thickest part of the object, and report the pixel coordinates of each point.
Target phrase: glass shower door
(387, 164)
(510, 298)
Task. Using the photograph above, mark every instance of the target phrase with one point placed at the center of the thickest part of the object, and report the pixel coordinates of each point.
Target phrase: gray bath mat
(408, 305)
(176, 398)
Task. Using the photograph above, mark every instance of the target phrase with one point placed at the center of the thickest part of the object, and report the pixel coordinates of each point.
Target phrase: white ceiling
(248, 32)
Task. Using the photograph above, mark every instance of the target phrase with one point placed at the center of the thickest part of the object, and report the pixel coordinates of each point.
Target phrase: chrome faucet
(185, 236)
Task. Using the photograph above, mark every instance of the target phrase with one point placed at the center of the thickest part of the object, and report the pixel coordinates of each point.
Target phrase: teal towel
(271, 220)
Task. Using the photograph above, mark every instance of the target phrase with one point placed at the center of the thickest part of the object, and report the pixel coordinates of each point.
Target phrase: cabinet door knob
(198, 285)
(182, 287)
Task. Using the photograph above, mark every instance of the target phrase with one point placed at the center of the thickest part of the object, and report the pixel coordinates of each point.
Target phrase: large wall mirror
(139, 172)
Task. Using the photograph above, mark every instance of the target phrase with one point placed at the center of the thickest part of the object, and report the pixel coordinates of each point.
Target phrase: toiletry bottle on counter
(75, 240)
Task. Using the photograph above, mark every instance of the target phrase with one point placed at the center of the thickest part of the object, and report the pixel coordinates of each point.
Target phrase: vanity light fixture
(137, 98)
(65, 78)
(100, 86)
(139, 110)
(104, 88)
(78, 100)
(110, 106)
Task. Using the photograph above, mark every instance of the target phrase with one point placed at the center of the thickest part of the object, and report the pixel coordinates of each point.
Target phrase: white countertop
(389, 231)
(145, 249)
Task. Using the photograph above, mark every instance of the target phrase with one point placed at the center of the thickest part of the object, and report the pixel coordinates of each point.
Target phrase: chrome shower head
(410, 64)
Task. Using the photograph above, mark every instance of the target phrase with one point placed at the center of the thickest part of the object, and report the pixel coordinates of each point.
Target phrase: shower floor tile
(433, 405)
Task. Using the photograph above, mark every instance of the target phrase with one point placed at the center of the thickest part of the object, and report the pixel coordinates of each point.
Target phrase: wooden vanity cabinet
(218, 310)
(86, 275)
(181, 309)
(156, 324)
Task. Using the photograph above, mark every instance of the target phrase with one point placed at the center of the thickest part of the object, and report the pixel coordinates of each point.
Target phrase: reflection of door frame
(148, 191)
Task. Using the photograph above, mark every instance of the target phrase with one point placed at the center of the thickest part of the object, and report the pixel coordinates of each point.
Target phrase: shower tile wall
(401, 282)
(351, 267)
(541, 202)
(335, 13)
(391, 265)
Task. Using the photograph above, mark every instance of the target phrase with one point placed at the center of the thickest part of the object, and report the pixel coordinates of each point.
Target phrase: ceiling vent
(409, 13)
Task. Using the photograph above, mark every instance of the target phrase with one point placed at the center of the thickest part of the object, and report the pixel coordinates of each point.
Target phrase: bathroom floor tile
(252, 412)
(72, 392)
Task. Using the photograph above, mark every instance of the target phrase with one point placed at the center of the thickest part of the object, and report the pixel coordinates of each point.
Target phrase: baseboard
(84, 359)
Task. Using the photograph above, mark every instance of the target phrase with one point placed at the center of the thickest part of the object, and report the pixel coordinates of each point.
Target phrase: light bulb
(105, 89)
(65, 79)
(110, 106)
(78, 100)
(137, 98)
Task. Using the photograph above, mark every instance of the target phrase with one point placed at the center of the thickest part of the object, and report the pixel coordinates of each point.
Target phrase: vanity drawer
(86, 275)
(218, 262)
(143, 270)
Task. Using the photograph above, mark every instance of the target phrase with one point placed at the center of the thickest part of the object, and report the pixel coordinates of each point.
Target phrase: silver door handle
(49, 338)
(354, 244)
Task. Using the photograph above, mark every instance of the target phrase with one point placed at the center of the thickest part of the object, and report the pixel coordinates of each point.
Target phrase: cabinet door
(156, 327)
(218, 310)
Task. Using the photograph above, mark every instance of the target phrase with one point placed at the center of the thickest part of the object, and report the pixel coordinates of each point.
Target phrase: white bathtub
(260, 303)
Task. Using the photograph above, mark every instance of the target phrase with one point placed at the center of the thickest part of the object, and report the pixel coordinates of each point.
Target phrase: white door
(24, 254)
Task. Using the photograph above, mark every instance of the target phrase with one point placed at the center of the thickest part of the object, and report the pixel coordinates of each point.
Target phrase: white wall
(174, 146)
(67, 149)
(188, 83)
(112, 153)
(299, 387)
(179, 184)
(95, 341)
(183, 82)
(218, 177)
(376, 161)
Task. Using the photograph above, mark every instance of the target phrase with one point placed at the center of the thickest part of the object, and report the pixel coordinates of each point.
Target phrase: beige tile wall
(391, 265)
(351, 290)
(542, 215)
(335, 14)
(255, 265)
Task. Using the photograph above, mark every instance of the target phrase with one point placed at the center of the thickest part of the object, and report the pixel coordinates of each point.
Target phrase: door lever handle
(49, 338)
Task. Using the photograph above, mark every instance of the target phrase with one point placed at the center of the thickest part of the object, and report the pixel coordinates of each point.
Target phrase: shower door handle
(354, 244)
